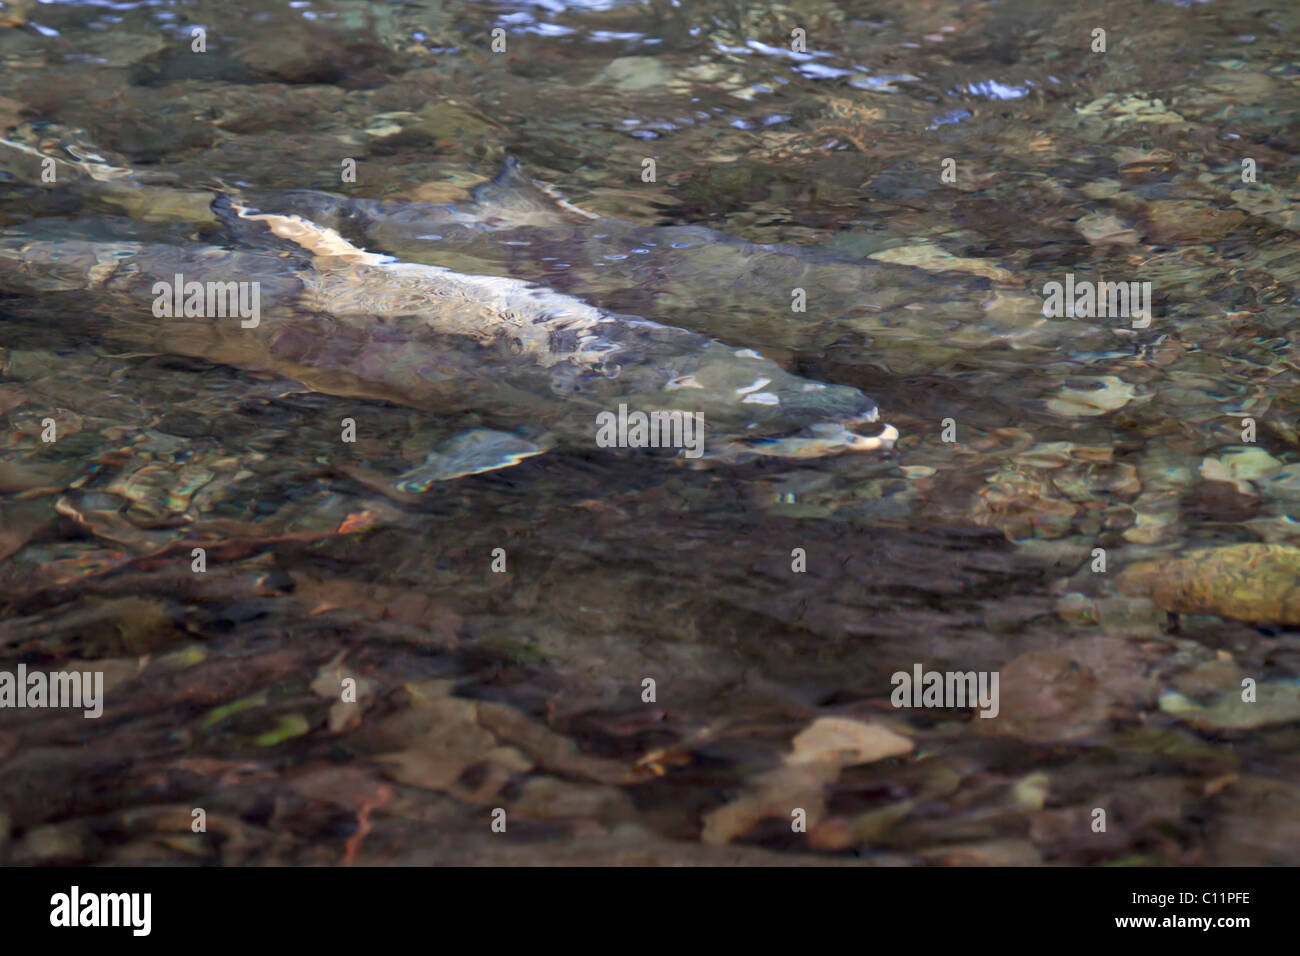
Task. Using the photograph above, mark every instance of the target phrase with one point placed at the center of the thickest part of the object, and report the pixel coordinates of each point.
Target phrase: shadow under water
(352, 578)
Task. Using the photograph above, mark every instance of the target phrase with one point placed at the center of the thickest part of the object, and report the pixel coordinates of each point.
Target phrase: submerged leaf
(845, 743)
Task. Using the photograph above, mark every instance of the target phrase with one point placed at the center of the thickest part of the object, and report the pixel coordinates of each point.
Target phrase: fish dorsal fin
(512, 197)
(326, 246)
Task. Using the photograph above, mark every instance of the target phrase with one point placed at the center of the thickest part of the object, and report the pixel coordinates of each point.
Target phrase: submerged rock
(1247, 582)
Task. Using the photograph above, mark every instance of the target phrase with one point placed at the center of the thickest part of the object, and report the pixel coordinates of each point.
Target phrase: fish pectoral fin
(468, 453)
(510, 196)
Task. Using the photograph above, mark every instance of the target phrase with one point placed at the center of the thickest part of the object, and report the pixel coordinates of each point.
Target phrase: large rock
(1248, 582)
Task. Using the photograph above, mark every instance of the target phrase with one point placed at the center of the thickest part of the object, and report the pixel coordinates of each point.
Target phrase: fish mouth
(884, 441)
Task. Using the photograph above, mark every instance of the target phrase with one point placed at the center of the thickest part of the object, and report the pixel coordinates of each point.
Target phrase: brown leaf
(845, 743)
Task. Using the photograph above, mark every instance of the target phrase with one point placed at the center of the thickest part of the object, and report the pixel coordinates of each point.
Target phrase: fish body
(349, 322)
(771, 295)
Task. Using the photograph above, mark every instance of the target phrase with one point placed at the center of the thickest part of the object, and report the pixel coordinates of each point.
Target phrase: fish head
(751, 396)
(809, 420)
(750, 405)
(814, 441)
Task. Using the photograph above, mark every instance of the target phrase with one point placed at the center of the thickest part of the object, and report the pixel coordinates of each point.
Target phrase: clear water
(759, 597)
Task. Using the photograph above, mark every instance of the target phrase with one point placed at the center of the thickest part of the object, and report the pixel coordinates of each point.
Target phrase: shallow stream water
(1098, 509)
